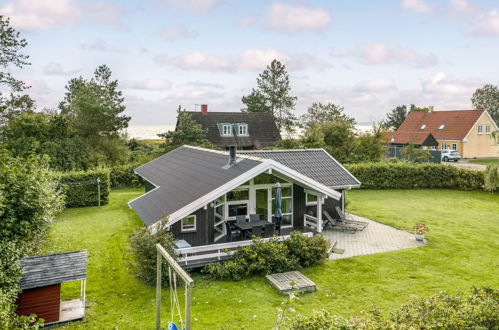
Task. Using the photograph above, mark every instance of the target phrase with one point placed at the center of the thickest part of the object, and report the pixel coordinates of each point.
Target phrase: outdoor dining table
(246, 227)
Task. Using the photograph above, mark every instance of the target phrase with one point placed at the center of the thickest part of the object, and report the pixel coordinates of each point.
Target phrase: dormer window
(227, 130)
(242, 130)
(423, 126)
(392, 139)
(441, 126)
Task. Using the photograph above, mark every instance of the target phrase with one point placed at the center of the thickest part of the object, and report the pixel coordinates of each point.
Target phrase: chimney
(232, 154)
(204, 109)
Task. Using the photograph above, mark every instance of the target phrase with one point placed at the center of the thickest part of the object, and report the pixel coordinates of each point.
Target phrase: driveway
(466, 165)
(376, 238)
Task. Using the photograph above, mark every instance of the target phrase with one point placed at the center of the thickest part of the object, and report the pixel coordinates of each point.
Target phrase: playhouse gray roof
(317, 164)
(263, 132)
(184, 175)
(52, 269)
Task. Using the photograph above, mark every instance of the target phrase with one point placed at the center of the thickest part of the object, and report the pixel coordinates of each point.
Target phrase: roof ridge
(224, 153)
(282, 150)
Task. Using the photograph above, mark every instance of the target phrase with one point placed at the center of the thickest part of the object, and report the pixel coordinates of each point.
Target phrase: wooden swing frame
(173, 265)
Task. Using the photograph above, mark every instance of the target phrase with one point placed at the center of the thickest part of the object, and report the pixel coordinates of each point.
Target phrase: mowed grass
(484, 161)
(463, 250)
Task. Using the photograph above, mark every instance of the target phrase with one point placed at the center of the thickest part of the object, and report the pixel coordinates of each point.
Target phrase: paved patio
(375, 238)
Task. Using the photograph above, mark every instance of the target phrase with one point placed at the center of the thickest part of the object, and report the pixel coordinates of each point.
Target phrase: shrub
(143, 244)
(478, 310)
(492, 177)
(81, 188)
(404, 175)
(124, 176)
(272, 256)
(413, 154)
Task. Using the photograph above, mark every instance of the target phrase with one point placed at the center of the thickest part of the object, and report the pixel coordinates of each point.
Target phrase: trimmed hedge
(80, 188)
(404, 175)
(123, 176)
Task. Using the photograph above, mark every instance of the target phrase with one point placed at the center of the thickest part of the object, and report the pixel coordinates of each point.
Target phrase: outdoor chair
(254, 217)
(230, 233)
(240, 218)
(344, 219)
(268, 230)
(338, 225)
(277, 222)
(257, 230)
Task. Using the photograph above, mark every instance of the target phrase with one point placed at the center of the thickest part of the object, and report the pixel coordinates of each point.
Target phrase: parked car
(448, 155)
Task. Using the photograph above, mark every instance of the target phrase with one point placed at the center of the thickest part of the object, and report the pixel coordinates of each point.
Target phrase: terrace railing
(201, 255)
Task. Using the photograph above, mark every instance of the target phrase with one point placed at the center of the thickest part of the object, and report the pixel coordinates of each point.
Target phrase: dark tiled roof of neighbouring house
(52, 269)
(419, 138)
(263, 132)
(316, 164)
(457, 123)
(184, 175)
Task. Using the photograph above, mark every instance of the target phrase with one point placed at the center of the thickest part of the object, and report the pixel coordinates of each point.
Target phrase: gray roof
(263, 132)
(52, 269)
(317, 164)
(181, 177)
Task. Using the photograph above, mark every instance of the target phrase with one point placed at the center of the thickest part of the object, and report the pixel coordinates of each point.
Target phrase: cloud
(487, 24)
(195, 5)
(177, 32)
(56, 69)
(464, 6)
(148, 84)
(249, 59)
(102, 46)
(40, 15)
(382, 54)
(379, 85)
(419, 6)
(203, 84)
(446, 85)
(291, 18)
(248, 20)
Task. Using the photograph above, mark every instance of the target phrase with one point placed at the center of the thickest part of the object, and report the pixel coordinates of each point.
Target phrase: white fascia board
(236, 182)
(485, 113)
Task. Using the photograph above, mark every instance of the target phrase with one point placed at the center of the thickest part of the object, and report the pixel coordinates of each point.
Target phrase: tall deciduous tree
(487, 98)
(319, 113)
(273, 94)
(11, 56)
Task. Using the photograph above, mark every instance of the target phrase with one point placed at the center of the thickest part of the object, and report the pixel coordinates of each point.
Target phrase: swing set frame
(188, 281)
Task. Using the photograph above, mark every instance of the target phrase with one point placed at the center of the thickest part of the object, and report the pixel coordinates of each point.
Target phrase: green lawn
(484, 161)
(463, 251)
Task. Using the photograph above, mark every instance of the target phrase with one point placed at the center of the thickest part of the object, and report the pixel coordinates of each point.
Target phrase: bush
(492, 177)
(123, 176)
(272, 256)
(80, 188)
(143, 244)
(404, 175)
(478, 310)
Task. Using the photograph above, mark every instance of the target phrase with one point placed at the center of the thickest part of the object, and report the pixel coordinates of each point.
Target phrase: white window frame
(433, 148)
(444, 146)
(480, 129)
(229, 126)
(307, 203)
(188, 230)
(423, 126)
(441, 126)
(487, 129)
(244, 128)
(454, 146)
(272, 202)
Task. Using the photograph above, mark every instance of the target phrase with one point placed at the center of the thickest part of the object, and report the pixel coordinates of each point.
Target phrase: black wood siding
(204, 233)
(298, 205)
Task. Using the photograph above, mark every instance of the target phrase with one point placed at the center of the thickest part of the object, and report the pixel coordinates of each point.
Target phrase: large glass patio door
(262, 202)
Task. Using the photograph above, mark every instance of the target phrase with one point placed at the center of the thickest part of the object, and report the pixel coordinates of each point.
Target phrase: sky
(367, 56)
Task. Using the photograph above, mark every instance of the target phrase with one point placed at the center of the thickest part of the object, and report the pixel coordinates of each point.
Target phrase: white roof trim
(236, 182)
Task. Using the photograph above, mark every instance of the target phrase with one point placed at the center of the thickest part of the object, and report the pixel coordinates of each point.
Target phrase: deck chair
(268, 230)
(362, 225)
(336, 224)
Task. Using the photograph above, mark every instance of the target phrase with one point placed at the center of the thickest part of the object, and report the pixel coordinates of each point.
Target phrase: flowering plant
(420, 228)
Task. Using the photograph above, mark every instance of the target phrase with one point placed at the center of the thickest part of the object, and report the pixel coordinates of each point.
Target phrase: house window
(286, 205)
(237, 202)
(227, 130)
(444, 145)
(441, 126)
(423, 126)
(189, 223)
(454, 146)
(433, 148)
(311, 199)
(487, 129)
(480, 129)
(242, 130)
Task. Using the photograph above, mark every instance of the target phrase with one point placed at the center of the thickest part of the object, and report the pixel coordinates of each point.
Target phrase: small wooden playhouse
(41, 286)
